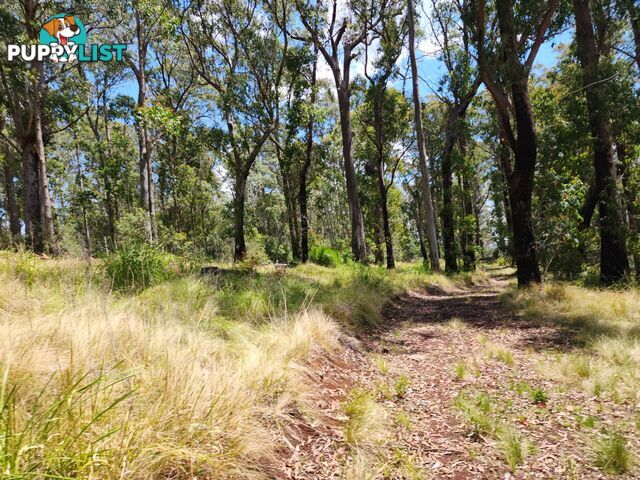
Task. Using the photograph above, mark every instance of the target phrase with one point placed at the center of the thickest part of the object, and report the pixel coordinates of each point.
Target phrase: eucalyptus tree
(241, 57)
(614, 262)
(505, 58)
(8, 176)
(386, 115)
(337, 31)
(451, 34)
(291, 141)
(24, 89)
(148, 20)
(429, 213)
(383, 142)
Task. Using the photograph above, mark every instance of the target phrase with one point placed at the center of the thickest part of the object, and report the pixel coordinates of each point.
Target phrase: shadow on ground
(479, 308)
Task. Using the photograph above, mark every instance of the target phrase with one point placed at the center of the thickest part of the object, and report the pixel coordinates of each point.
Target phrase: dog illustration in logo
(63, 29)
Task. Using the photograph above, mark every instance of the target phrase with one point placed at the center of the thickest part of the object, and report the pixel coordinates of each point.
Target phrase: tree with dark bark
(337, 36)
(614, 262)
(505, 64)
(232, 52)
(8, 174)
(385, 115)
(462, 81)
(24, 93)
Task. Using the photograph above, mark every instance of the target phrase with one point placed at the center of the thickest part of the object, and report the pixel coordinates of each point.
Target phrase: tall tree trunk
(525, 151)
(144, 142)
(240, 247)
(386, 225)
(614, 263)
(358, 246)
(506, 168)
(31, 193)
(430, 220)
(468, 207)
(378, 123)
(46, 209)
(290, 204)
(378, 252)
(10, 190)
(631, 200)
(85, 220)
(416, 209)
(447, 210)
(304, 171)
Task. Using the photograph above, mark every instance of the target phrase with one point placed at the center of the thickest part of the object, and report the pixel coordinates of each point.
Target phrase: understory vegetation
(601, 353)
(188, 377)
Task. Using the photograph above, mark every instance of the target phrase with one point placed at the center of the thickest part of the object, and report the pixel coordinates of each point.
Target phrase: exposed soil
(419, 342)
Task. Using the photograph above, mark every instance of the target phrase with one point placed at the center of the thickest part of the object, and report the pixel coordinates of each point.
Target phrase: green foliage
(612, 454)
(138, 266)
(476, 409)
(461, 370)
(514, 446)
(539, 396)
(325, 256)
(57, 438)
(402, 386)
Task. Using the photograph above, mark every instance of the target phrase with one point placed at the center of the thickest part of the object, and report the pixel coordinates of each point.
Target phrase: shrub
(402, 386)
(539, 396)
(325, 256)
(138, 266)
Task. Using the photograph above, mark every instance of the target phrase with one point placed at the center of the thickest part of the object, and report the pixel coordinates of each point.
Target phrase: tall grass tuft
(613, 454)
(101, 387)
(325, 256)
(138, 266)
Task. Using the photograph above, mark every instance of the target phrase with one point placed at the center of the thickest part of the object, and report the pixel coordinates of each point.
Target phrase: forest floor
(461, 381)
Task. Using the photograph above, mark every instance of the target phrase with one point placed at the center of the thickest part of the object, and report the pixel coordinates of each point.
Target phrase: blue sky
(430, 68)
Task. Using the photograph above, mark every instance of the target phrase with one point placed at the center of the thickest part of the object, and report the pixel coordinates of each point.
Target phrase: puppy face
(62, 28)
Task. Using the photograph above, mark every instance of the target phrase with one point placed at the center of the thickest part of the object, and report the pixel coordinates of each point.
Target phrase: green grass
(603, 324)
(612, 454)
(476, 409)
(461, 369)
(539, 396)
(501, 353)
(485, 419)
(367, 420)
(402, 385)
(514, 446)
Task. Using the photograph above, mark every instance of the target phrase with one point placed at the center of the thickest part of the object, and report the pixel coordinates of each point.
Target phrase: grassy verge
(600, 356)
(604, 324)
(183, 379)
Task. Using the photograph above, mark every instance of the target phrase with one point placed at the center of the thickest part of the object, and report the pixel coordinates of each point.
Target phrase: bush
(138, 266)
(325, 256)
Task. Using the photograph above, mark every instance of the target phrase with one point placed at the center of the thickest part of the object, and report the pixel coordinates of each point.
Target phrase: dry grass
(605, 322)
(186, 379)
(146, 386)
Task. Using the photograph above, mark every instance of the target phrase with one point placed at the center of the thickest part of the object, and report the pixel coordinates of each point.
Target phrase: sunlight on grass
(485, 419)
(606, 322)
(147, 385)
(501, 353)
(514, 446)
(455, 324)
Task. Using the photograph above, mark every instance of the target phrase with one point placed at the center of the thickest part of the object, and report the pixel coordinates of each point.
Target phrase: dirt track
(502, 354)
